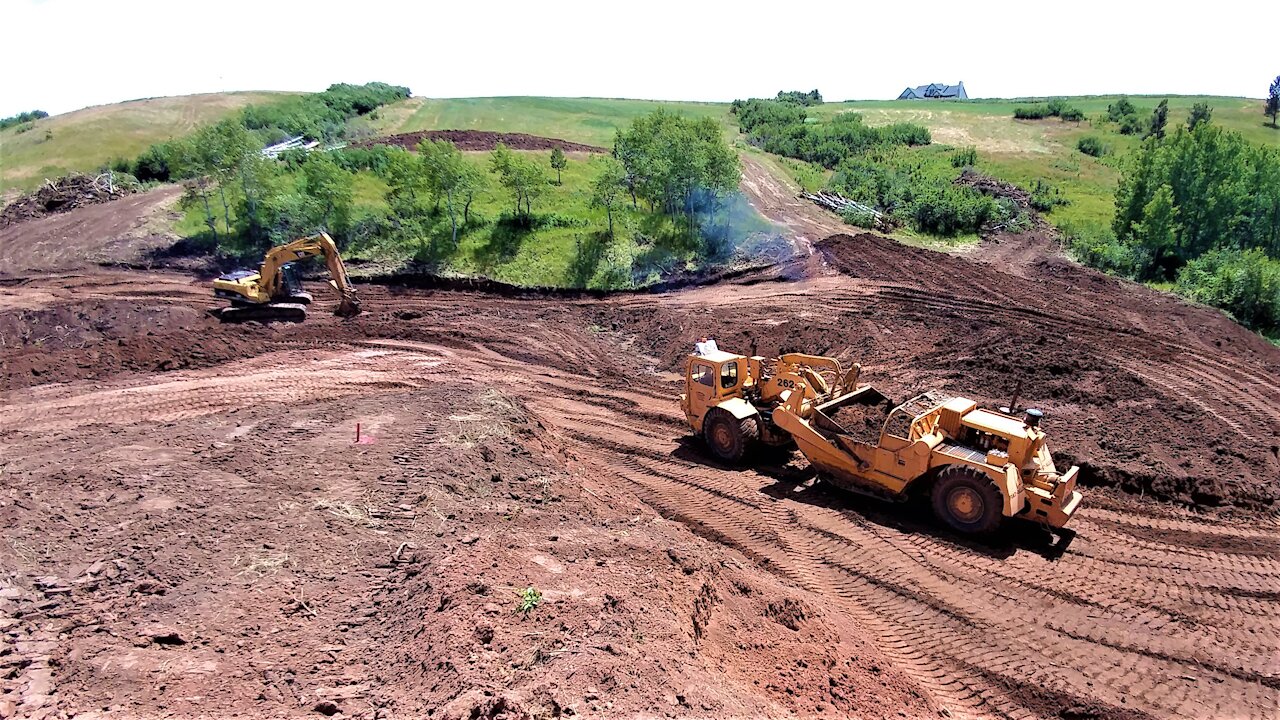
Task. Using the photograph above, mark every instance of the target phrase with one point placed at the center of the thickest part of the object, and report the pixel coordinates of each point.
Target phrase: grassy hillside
(585, 120)
(84, 140)
(1023, 151)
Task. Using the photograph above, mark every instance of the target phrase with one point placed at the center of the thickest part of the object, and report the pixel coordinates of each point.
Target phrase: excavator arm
(320, 244)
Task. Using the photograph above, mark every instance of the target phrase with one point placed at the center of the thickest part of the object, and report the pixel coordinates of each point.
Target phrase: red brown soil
(109, 232)
(65, 194)
(191, 531)
(482, 140)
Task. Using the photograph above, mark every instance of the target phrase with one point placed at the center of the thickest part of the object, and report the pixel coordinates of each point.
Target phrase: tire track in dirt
(1121, 621)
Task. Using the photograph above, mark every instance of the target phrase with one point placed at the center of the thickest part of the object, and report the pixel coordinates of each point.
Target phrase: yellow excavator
(274, 292)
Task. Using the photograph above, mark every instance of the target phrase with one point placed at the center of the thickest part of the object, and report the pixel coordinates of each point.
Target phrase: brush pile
(67, 193)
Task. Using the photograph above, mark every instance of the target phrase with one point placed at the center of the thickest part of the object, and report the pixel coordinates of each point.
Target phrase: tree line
(1199, 206)
(22, 117)
(784, 128)
(322, 116)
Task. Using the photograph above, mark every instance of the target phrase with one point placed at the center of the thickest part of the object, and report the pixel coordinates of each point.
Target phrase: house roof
(935, 90)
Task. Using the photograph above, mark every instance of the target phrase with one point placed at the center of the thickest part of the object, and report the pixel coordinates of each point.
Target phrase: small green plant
(965, 157)
(530, 599)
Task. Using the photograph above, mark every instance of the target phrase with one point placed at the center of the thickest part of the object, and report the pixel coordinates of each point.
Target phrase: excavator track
(268, 312)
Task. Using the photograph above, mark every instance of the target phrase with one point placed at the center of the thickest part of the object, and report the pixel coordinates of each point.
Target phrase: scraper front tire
(728, 437)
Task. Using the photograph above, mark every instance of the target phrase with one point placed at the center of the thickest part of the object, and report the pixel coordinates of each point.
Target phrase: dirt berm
(482, 140)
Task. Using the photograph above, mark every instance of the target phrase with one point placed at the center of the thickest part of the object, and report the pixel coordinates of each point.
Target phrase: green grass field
(585, 120)
(86, 139)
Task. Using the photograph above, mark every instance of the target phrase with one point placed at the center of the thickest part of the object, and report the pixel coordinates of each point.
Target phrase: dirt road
(193, 531)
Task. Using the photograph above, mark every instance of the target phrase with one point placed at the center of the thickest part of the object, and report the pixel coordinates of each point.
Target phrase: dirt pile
(481, 140)
(64, 194)
(863, 422)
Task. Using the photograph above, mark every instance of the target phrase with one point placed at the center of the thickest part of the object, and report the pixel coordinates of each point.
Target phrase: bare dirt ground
(191, 530)
(115, 231)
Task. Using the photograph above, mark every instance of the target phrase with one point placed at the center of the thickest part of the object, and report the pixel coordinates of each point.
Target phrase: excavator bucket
(348, 303)
(347, 307)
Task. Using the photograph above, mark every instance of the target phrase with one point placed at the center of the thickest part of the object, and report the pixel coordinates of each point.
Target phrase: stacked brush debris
(66, 193)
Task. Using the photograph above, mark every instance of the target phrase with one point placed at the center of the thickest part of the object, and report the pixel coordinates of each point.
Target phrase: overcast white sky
(59, 55)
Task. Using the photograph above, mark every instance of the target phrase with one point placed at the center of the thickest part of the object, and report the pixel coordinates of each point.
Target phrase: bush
(1045, 197)
(1095, 245)
(1031, 112)
(1091, 146)
(1120, 109)
(1132, 125)
(948, 210)
(156, 163)
(965, 157)
(1244, 283)
(859, 218)
(1057, 107)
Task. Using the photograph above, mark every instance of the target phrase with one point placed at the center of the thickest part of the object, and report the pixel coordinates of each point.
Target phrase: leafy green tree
(446, 172)
(522, 177)
(1158, 232)
(1273, 100)
(1159, 119)
(331, 187)
(558, 162)
(607, 186)
(1201, 113)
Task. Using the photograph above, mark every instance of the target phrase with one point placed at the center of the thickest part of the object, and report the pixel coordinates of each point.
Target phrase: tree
(1159, 118)
(1273, 100)
(1158, 232)
(1200, 114)
(607, 186)
(331, 187)
(446, 172)
(522, 177)
(558, 162)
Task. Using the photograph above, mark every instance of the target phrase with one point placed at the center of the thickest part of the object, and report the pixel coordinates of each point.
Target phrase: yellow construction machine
(979, 466)
(274, 292)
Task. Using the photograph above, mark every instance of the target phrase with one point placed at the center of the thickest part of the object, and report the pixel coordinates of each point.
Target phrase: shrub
(1031, 112)
(1045, 197)
(1093, 146)
(947, 210)
(1095, 245)
(859, 218)
(1121, 108)
(1244, 283)
(965, 157)
(1132, 125)
(1071, 115)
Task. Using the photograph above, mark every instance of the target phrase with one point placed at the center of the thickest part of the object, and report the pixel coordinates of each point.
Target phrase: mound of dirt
(864, 422)
(482, 140)
(64, 194)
